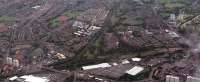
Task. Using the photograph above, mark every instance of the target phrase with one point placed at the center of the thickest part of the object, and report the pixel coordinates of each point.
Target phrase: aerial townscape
(99, 40)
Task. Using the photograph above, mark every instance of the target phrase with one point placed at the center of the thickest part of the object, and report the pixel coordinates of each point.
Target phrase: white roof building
(135, 70)
(114, 64)
(170, 78)
(125, 61)
(9, 60)
(77, 33)
(80, 24)
(172, 17)
(16, 62)
(95, 28)
(36, 7)
(13, 78)
(193, 79)
(172, 33)
(99, 79)
(136, 59)
(102, 65)
(31, 78)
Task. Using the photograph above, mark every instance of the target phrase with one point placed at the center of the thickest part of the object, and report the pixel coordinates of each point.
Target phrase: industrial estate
(99, 40)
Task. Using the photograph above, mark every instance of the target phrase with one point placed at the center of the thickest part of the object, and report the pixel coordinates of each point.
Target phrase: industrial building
(170, 78)
(135, 70)
(193, 79)
(102, 65)
(28, 78)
